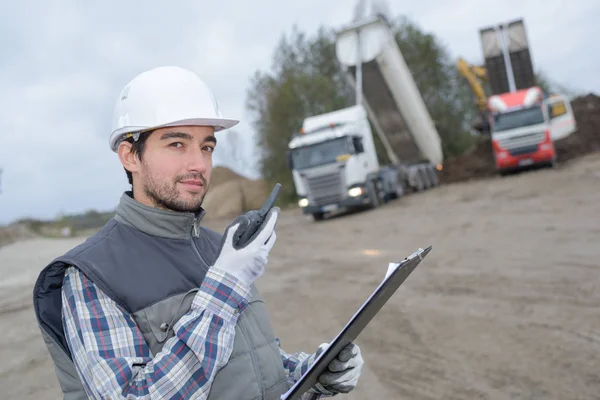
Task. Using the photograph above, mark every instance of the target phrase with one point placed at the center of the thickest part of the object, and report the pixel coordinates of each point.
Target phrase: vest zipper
(196, 228)
(254, 362)
(196, 233)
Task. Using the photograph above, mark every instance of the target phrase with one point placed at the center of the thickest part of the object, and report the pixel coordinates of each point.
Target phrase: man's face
(175, 167)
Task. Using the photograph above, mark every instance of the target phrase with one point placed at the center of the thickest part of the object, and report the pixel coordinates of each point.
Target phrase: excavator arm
(473, 74)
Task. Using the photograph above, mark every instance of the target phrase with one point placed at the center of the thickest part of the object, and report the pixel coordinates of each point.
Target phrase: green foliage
(306, 80)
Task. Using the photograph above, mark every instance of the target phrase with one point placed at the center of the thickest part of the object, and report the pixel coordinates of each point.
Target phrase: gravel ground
(506, 305)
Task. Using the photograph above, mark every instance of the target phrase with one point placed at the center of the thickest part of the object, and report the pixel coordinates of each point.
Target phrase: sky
(64, 63)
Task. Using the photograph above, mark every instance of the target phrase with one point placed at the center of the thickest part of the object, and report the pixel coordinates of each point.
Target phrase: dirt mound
(479, 161)
(221, 175)
(476, 163)
(231, 194)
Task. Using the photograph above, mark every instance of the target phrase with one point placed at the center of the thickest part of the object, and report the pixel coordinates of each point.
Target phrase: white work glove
(248, 262)
(341, 375)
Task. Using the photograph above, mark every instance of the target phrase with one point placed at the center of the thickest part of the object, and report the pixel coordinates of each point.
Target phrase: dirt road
(506, 306)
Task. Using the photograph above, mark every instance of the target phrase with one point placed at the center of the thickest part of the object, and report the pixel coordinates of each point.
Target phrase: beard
(167, 196)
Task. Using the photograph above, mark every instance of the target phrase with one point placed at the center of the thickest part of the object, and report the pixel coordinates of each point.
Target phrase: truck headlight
(355, 192)
(303, 202)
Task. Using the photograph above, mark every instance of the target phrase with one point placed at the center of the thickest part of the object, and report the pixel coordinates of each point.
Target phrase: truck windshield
(319, 154)
(519, 118)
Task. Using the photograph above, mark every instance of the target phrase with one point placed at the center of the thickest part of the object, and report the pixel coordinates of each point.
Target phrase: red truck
(524, 125)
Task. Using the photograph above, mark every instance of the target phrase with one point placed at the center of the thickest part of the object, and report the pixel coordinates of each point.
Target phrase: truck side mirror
(358, 145)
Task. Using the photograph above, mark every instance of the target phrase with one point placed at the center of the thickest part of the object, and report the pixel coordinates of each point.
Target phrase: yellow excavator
(475, 74)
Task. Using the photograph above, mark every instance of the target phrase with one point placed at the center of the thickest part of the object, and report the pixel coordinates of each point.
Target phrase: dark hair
(137, 147)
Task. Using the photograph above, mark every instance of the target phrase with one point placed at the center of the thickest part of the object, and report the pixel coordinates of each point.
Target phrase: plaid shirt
(114, 361)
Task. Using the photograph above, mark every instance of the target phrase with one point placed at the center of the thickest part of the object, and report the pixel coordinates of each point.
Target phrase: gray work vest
(152, 262)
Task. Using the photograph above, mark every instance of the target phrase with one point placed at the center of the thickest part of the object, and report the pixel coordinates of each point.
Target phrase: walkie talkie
(253, 220)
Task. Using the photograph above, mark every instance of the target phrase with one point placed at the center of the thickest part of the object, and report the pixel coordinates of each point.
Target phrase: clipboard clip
(418, 253)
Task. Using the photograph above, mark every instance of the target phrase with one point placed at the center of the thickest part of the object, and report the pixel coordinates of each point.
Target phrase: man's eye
(209, 148)
(176, 144)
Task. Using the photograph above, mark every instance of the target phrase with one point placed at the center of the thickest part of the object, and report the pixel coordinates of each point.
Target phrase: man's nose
(197, 161)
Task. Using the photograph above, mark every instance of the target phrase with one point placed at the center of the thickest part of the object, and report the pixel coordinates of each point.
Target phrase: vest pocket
(162, 316)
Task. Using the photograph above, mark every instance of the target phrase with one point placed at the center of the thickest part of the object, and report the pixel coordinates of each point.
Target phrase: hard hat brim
(218, 123)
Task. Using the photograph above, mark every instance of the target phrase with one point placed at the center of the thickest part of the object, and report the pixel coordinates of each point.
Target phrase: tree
(306, 80)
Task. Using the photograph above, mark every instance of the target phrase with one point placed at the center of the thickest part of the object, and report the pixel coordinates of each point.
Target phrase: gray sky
(62, 67)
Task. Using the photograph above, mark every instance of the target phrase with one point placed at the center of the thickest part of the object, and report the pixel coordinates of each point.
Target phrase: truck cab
(332, 159)
(524, 125)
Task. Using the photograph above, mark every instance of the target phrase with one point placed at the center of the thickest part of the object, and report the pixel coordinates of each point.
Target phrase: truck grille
(325, 189)
(523, 150)
(526, 141)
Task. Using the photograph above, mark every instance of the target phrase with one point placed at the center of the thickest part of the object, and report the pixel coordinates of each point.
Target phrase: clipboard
(395, 276)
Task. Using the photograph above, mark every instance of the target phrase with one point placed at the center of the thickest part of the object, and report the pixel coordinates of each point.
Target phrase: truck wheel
(373, 194)
(433, 176)
(426, 178)
(318, 216)
(398, 190)
(420, 182)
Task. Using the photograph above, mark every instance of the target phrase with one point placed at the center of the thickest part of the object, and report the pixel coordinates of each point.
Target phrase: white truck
(333, 158)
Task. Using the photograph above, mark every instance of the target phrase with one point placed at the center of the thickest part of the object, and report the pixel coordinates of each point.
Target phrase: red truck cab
(524, 125)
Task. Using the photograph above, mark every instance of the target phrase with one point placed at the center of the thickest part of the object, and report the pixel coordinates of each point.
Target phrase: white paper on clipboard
(396, 274)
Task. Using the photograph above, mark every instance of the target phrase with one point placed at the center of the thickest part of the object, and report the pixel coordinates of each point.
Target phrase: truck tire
(374, 200)
(420, 184)
(426, 178)
(318, 216)
(398, 190)
(433, 176)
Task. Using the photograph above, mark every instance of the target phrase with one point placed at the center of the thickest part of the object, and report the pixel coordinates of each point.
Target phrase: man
(155, 305)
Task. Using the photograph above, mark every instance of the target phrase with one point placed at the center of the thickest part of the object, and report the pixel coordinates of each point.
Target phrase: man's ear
(127, 158)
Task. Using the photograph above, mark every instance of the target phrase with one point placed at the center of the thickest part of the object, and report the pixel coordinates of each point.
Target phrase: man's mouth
(193, 184)
(196, 182)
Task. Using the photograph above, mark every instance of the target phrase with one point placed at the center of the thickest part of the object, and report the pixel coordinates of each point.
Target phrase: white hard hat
(161, 97)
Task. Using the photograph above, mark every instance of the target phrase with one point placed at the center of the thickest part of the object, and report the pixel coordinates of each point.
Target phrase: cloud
(64, 63)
